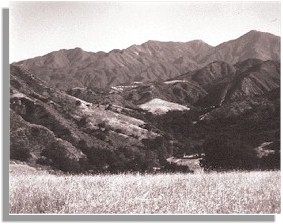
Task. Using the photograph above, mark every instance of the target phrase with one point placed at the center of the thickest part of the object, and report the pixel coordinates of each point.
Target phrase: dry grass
(235, 192)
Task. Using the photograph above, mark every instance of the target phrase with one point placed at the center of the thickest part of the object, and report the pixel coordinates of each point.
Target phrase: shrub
(59, 159)
(222, 153)
(78, 102)
(19, 153)
(174, 168)
(271, 161)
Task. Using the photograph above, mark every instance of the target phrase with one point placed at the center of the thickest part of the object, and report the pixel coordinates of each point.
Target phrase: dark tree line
(225, 153)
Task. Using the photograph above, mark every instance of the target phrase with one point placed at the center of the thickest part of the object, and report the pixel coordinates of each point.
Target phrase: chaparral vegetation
(156, 128)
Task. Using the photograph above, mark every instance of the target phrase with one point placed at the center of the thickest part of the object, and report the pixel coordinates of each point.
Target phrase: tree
(59, 159)
(100, 157)
(158, 145)
(19, 153)
(271, 161)
(223, 153)
(177, 122)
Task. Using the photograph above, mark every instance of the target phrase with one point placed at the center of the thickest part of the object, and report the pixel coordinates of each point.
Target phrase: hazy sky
(37, 28)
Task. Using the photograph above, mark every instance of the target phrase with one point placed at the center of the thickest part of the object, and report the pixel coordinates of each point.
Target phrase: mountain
(132, 109)
(254, 44)
(150, 61)
(178, 91)
(52, 128)
(224, 82)
(211, 73)
(212, 85)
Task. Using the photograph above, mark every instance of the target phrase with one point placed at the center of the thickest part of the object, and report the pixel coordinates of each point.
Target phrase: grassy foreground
(233, 192)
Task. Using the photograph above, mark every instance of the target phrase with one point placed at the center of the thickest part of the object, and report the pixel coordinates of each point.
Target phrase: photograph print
(144, 108)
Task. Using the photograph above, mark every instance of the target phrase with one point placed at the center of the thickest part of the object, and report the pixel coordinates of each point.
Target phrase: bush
(78, 102)
(271, 162)
(100, 135)
(222, 153)
(178, 123)
(159, 146)
(82, 122)
(174, 168)
(59, 159)
(100, 157)
(19, 153)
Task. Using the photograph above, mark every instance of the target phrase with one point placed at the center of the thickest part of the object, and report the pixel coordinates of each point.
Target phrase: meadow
(202, 193)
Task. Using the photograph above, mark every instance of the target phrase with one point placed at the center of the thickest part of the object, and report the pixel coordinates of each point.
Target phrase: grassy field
(234, 192)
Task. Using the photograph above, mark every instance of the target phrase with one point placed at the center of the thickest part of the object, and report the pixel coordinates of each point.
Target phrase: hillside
(52, 128)
(254, 44)
(144, 62)
(158, 100)
(224, 82)
(158, 106)
(150, 61)
(212, 85)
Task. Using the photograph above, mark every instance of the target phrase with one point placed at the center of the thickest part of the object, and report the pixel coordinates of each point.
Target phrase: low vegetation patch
(204, 193)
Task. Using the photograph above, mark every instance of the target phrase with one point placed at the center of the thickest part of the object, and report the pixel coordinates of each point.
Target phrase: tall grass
(233, 192)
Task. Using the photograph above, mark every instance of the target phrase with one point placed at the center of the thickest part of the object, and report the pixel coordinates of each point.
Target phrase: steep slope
(35, 143)
(179, 91)
(224, 82)
(212, 85)
(62, 119)
(254, 44)
(257, 80)
(55, 129)
(254, 120)
(212, 73)
(150, 61)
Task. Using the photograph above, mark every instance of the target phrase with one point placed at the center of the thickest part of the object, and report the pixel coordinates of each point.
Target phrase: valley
(130, 110)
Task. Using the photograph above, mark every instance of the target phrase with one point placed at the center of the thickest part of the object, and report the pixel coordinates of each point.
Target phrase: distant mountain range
(212, 85)
(132, 109)
(151, 61)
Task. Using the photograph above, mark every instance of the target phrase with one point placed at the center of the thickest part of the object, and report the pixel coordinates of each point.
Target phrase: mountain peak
(197, 41)
(150, 61)
(76, 50)
(254, 44)
(254, 33)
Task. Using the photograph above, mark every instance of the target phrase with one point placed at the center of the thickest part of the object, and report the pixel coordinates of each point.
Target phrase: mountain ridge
(150, 61)
(130, 110)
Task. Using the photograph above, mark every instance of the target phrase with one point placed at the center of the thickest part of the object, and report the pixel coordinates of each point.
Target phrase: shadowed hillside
(52, 128)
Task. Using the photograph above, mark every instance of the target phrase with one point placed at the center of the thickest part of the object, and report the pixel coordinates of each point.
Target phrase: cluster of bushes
(222, 153)
(177, 123)
(227, 146)
(128, 158)
(173, 167)
(225, 153)
(179, 127)
(123, 159)
(55, 155)
(18, 152)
